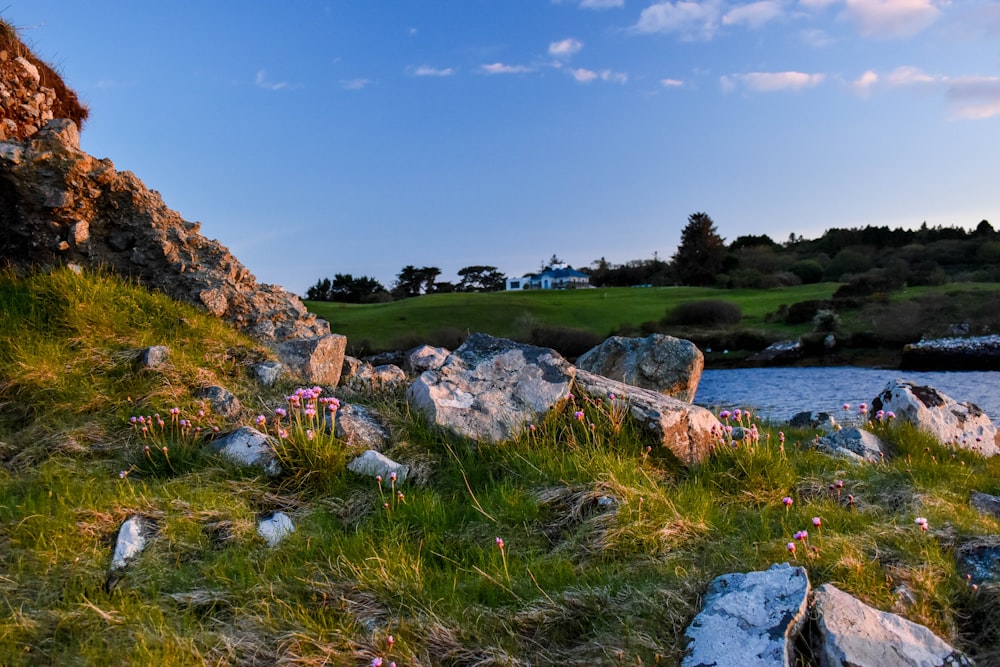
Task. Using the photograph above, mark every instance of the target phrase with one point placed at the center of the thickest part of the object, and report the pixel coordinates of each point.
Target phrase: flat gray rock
(749, 620)
(249, 447)
(373, 464)
(357, 425)
(852, 633)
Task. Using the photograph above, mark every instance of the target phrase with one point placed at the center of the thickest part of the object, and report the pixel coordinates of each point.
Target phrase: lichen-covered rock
(490, 388)
(221, 400)
(357, 425)
(749, 620)
(852, 633)
(822, 421)
(425, 358)
(374, 464)
(154, 356)
(855, 444)
(662, 363)
(962, 425)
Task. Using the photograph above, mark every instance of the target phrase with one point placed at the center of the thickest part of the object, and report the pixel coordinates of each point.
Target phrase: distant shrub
(567, 341)
(778, 279)
(825, 321)
(804, 311)
(808, 270)
(708, 312)
(868, 283)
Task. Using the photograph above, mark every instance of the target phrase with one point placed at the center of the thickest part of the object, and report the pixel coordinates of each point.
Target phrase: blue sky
(321, 137)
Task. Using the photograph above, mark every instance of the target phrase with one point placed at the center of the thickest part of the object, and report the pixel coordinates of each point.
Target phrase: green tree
(701, 254)
(481, 279)
(320, 291)
(411, 281)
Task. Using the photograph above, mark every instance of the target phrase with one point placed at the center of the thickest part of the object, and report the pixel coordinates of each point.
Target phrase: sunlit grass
(608, 542)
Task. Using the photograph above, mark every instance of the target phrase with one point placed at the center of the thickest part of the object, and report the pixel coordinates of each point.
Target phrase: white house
(558, 277)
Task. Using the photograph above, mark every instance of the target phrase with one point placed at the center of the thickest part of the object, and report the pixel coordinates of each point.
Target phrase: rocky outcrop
(749, 619)
(780, 352)
(31, 92)
(669, 365)
(961, 425)
(979, 353)
(490, 388)
(686, 430)
(59, 205)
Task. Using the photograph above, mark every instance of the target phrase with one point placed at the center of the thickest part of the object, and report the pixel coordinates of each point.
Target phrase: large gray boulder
(490, 388)
(658, 362)
(963, 425)
(687, 430)
(749, 620)
(852, 633)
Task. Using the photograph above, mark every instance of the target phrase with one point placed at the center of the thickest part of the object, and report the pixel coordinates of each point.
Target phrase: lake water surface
(779, 393)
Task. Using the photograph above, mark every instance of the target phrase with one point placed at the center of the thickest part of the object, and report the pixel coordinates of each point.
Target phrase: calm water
(779, 393)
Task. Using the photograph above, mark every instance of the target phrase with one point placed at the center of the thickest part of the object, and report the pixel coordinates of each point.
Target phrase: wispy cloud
(755, 14)
(427, 70)
(692, 20)
(584, 75)
(593, 4)
(974, 97)
(565, 48)
(891, 19)
(968, 97)
(261, 81)
(355, 84)
(816, 38)
(501, 68)
(671, 83)
(770, 82)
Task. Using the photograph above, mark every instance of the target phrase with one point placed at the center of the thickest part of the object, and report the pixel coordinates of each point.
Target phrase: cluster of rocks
(961, 425)
(754, 619)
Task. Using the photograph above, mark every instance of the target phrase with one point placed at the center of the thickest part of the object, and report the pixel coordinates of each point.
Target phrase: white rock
(275, 528)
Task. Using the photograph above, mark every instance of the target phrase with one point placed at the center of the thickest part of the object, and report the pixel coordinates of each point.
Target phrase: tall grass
(608, 542)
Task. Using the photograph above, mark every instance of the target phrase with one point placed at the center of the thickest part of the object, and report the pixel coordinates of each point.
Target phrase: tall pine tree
(701, 254)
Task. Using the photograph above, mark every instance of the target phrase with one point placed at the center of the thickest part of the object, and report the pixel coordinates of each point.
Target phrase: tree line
(873, 257)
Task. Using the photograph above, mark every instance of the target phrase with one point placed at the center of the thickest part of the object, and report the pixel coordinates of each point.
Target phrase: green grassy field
(607, 546)
(510, 314)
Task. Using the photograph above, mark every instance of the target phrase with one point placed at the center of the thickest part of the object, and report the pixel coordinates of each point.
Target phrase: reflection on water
(778, 393)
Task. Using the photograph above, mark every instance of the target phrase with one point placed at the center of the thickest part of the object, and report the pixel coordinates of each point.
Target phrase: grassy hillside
(512, 314)
(870, 329)
(607, 545)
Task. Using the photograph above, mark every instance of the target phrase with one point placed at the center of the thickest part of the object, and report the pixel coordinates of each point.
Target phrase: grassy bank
(872, 328)
(607, 545)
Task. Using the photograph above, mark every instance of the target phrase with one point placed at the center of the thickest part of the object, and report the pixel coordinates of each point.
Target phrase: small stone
(223, 402)
(154, 356)
(267, 372)
(373, 464)
(275, 527)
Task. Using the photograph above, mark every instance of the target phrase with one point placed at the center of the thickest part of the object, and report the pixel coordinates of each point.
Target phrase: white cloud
(769, 82)
(584, 75)
(500, 68)
(753, 15)
(261, 81)
(910, 76)
(601, 4)
(891, 19)
(355, 84)
(427, 70)
(974, 97)
(864, 83)
(565, 48)
(671, 83)
(697, 20)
